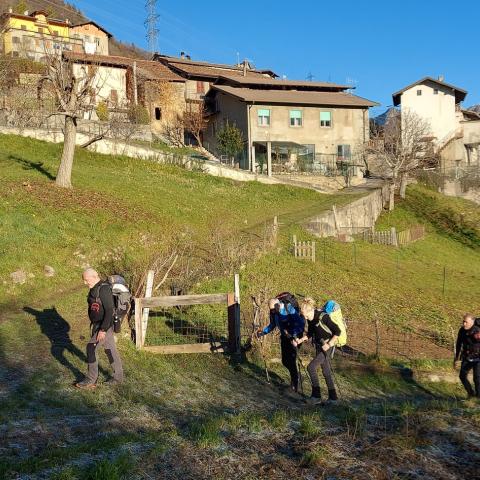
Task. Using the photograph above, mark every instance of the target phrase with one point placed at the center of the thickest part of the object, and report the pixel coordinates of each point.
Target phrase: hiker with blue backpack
(326, 329)
(285, 316)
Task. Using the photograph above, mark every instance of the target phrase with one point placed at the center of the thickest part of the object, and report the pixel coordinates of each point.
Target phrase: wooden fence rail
(391, 237)
(231, 300)
(304, 249)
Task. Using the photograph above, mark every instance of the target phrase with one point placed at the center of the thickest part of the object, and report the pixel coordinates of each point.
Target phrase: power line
(151, 25)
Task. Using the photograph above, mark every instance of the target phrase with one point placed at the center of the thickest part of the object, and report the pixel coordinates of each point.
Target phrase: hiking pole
(256, 309)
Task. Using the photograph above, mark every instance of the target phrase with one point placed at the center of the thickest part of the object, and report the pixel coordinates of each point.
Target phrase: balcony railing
(23, 41)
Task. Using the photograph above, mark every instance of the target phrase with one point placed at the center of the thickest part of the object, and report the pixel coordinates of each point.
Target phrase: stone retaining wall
(353, 218)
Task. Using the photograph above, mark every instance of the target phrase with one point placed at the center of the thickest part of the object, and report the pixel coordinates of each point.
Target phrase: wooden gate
(229, 340)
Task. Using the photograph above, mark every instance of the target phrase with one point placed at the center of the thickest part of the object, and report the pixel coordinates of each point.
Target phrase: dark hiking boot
(86, 384)
(315, 399)
(332, 395)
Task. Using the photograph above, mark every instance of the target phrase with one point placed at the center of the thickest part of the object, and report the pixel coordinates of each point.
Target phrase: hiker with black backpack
(284, 315)
(467, 350)
(324, 333)
(102, 315)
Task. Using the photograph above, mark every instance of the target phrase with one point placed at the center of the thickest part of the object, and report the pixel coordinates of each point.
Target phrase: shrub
(138, 114)
(102, 112)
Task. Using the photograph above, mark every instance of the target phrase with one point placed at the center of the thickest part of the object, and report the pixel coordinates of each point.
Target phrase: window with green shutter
(263, 117)
(295, 118)
(325, 119)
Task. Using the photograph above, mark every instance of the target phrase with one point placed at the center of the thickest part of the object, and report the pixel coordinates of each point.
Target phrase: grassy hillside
(204, 416)
(121, 205)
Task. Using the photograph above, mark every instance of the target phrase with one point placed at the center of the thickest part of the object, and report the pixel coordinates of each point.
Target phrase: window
(435, 91)
(158, 113)
(419, 93)
(97, 41)
(24, 27)
(263, 117)
(200, 87)
(15, 40)
(325, 119)
(55, 33)
(114, 96)
(295, 118)
(40, 30)
(343, 152)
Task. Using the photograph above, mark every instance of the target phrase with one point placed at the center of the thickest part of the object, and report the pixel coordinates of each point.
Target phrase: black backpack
(122, 299)
(289, 298)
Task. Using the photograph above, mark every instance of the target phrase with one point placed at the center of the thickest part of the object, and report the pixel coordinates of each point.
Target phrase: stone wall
(355, 217)
(112, 147)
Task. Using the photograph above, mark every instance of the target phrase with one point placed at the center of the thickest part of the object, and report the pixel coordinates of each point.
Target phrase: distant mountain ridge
(64, 10)
(475, 108)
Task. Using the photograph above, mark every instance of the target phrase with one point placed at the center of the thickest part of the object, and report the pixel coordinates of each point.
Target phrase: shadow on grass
(57, 329)
(29, 165)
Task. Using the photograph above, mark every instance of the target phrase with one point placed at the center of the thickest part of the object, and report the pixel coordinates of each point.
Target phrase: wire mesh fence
(187, 325)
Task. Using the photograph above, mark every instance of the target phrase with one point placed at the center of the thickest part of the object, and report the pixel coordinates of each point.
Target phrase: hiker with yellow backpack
(327, 330)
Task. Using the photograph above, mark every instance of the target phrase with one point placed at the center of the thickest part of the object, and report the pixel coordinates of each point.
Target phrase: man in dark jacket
(468, 351)
(100, 313)
(291, 325)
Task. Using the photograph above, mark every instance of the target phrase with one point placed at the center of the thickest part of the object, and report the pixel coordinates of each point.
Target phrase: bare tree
(401, 147)
(174, 131)
(74, 91)
(196, 121)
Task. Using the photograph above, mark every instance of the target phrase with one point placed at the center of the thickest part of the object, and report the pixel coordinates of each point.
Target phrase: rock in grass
(48, 271)
(19, 277)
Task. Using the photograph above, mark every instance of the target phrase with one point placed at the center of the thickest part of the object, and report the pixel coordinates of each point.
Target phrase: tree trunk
(391, 203)
(403, 185)
(64, 174)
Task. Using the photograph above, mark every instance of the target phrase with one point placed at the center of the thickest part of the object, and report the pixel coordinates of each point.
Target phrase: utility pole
(310, 76)
(151, 25)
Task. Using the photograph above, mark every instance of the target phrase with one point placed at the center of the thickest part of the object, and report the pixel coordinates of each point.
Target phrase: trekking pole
(256, 310)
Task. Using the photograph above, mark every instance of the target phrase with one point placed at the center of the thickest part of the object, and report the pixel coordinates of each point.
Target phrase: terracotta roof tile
(148, 69)
(296, 97)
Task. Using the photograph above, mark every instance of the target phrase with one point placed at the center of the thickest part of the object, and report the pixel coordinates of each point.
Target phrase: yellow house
(33, 35)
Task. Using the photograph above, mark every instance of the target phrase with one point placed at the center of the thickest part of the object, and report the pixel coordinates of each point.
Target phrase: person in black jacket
(100, 313)
(468, 352)
(324, 333)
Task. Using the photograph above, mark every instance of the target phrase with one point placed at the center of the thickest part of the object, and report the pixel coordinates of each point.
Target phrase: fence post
(295, 245)
(138, 323)
(275, 231)
(444, 280)
(394, 237)
(146, 311)
(313, 251)
(354, 253)
(234, 331)
(377, 338)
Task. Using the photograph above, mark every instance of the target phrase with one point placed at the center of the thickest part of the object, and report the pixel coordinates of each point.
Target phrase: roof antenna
(310, 77)
(238, 59)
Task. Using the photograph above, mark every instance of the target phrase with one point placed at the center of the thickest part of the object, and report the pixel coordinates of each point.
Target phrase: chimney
(244, 68)
(189, 57)
(10, 10)
(182, 54)
(441, 78)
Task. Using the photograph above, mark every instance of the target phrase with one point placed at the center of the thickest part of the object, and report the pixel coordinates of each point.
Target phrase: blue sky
(379, 45)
